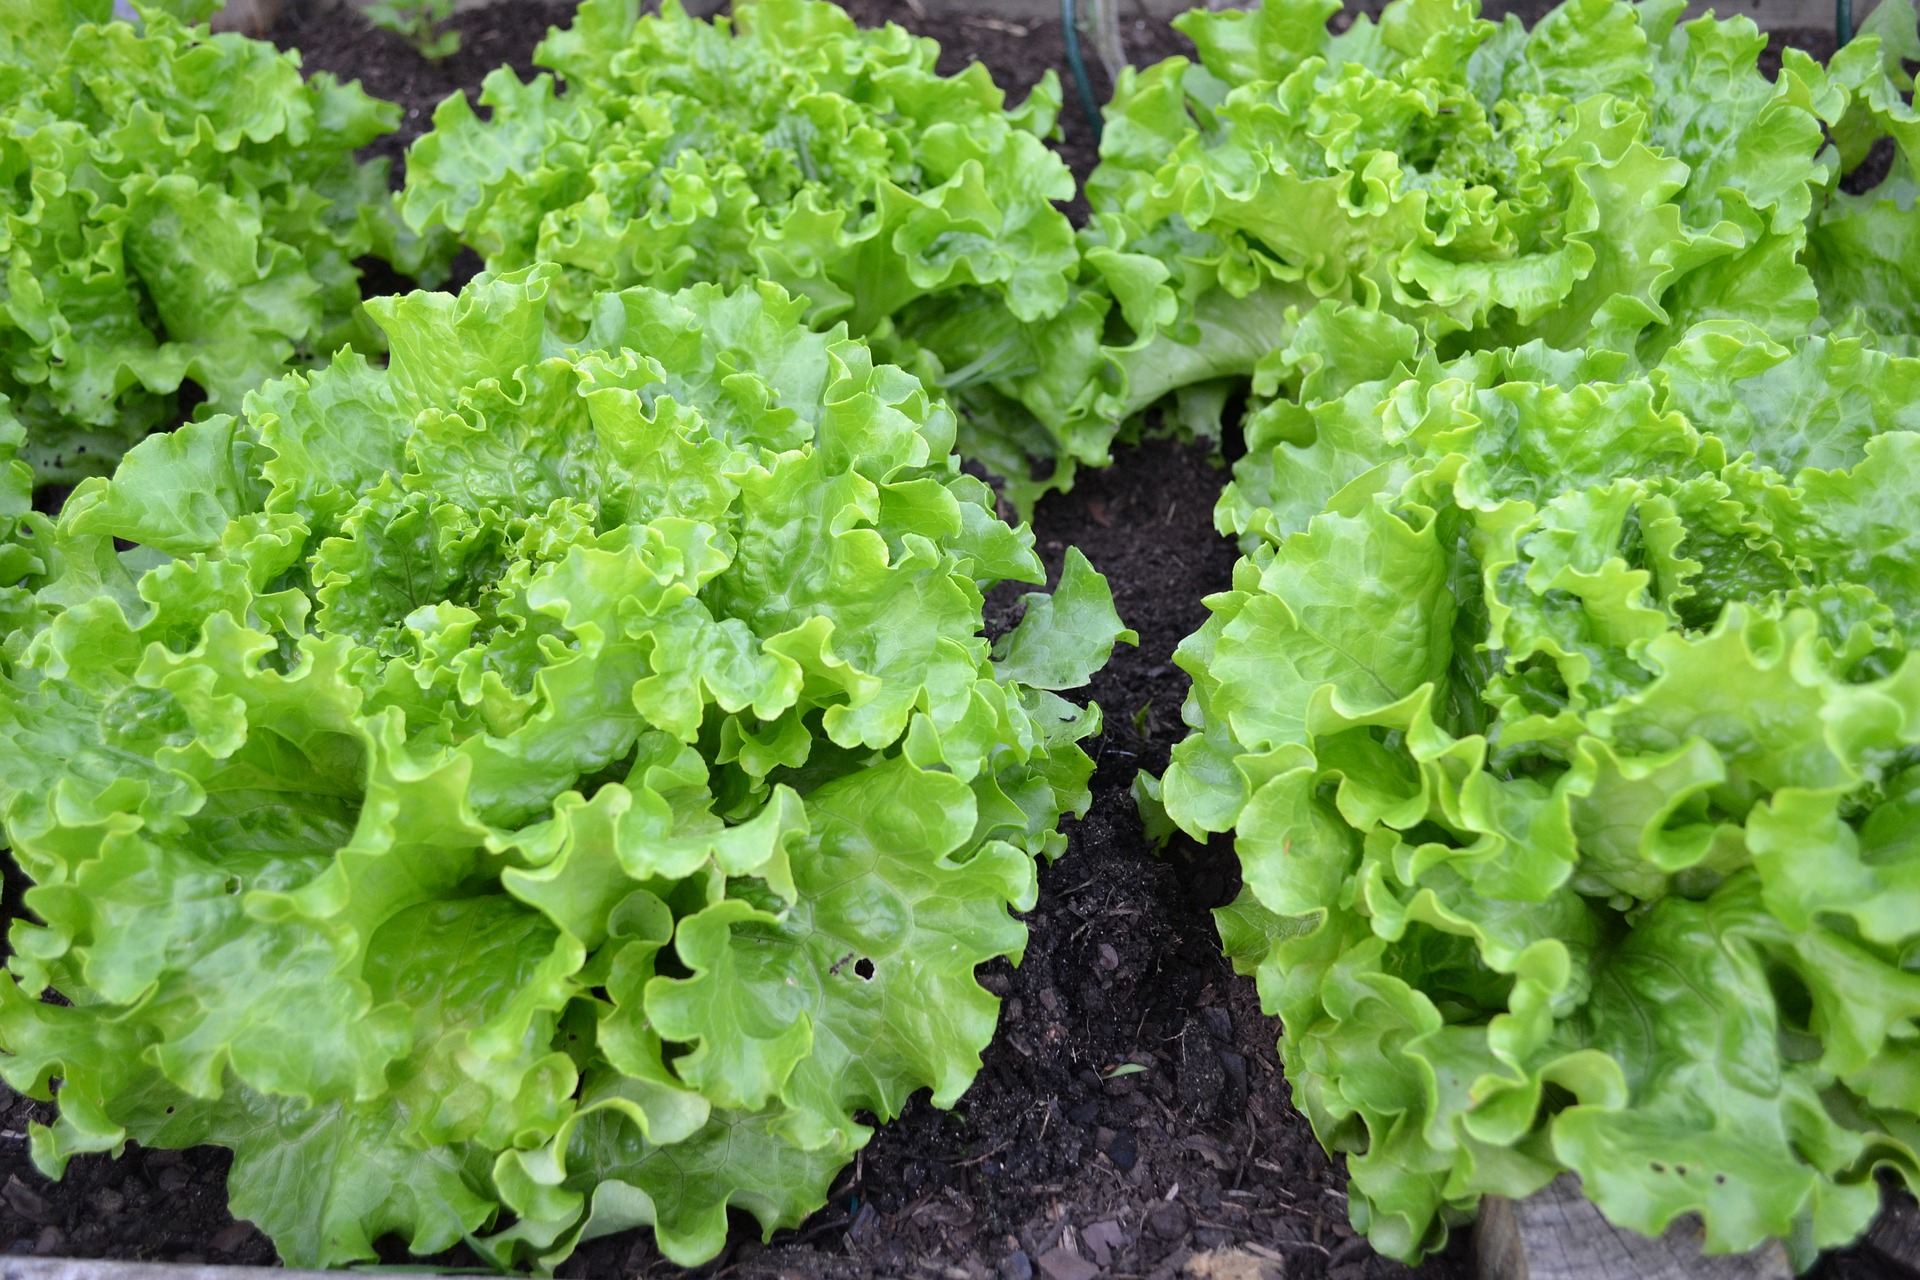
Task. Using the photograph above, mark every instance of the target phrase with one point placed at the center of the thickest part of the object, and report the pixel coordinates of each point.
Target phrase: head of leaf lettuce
(1607, 177)
(535, 789)
(1567, 720)
(781, 141)
(181, 219)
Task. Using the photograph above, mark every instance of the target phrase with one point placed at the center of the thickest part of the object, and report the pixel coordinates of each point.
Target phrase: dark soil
(333, 38)
(1047, 1167)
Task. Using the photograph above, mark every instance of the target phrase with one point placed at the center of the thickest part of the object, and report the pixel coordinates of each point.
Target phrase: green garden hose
(1842, 22)
(1069, 22)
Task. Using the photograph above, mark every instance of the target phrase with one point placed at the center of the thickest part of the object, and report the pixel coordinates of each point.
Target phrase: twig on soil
(1271, 1167)
(985, 1155)
(1013, 29)
(1240, 1172)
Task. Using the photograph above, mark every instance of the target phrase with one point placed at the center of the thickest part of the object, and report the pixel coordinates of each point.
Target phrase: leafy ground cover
(1122, 961)
(1047, 1148)
(182, 218)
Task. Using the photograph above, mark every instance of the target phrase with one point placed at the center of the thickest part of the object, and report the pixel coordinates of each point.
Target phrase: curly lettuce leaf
(593, 740)
(1566, 719)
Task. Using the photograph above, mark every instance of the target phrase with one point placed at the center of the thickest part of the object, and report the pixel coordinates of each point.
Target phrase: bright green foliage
(1568, 720)
(174, 207)
(1563, 707)
(1865, 249)
(25, 537)
(1601, 181)
(421, 23)
(538, 788)
(787, 144)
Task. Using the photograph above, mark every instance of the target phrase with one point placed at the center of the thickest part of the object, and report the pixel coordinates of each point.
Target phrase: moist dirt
(1051, 1165)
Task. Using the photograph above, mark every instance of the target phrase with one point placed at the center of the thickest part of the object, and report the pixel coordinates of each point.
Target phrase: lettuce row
(785, 143)
(1567, 718)
(544, 786)
(1604, 180)
(174, 207)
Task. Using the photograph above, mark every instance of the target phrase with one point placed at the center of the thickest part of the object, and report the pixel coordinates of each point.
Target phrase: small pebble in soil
(1167, 1220)
(1235, 1067)
(24, 1200)
(172, 1178)
(1123, 1150)
(232, 1237)
(51, 1241)
(1061, 1263)
(1016, 1266)
(1354, 1250)
(1109, 958)
(1219, 1023)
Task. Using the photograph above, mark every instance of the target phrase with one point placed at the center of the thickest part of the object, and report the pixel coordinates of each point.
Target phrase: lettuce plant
(1567, 718)
(1604, 180)
(177, 208)
(787, 144)
(421, 23)
(543, 786)
(1562, 707)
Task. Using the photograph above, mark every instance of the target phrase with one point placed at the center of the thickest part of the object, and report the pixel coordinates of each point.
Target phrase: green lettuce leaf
(550, 784)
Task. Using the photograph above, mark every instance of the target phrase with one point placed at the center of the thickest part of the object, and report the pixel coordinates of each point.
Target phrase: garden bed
(1049, 1166)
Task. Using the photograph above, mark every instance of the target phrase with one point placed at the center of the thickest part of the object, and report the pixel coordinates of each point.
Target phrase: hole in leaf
(864, 967)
